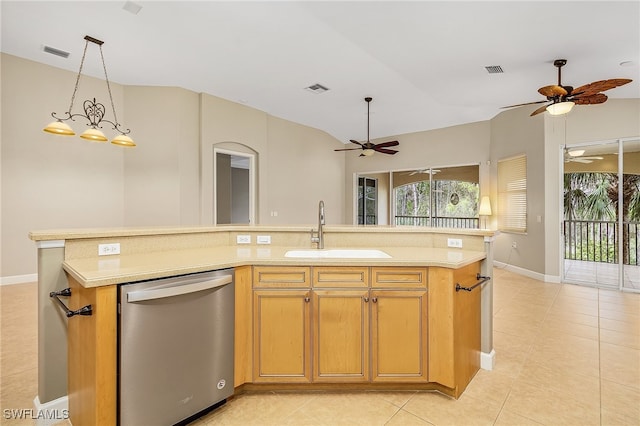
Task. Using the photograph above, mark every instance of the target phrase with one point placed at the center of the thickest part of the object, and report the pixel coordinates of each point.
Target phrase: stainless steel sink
(339, 254)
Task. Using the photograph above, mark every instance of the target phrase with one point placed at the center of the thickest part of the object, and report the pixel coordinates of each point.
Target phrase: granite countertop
(118, 269)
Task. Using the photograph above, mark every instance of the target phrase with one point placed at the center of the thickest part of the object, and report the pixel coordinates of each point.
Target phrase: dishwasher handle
(177, 290)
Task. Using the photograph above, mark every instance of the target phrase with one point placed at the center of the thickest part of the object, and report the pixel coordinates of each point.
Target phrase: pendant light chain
(75, 89)
(113, 108)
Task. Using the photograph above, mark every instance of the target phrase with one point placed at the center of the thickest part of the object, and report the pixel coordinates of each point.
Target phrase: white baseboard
(51, 412)
(19, 279)
(488, 360)
(527, 273)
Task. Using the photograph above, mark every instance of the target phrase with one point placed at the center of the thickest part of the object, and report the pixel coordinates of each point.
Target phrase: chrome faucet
(319, 236)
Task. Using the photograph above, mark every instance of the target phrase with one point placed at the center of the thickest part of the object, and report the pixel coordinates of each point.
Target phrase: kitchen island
(418, 281)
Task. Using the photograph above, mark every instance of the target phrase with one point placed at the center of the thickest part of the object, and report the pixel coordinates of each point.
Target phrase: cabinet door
(399, 335)
(341, 335)
(281, 336)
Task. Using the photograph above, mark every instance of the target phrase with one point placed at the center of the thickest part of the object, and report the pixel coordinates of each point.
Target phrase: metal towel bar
(85, 310)
(481, 281)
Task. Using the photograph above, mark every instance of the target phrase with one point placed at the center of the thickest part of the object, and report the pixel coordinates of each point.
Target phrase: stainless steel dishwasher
(176, 347)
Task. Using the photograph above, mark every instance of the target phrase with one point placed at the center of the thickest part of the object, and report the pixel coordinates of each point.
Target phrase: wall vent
(317, 88)
(54, 51)
(494, 69)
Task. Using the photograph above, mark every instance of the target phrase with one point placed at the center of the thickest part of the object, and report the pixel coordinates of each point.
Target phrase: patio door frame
(619, 216)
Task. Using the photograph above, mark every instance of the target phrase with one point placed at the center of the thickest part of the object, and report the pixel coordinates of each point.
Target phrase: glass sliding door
(630, 218)
(601, 212)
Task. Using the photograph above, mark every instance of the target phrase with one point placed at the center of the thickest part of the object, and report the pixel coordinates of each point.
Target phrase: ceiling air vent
(317, 88)
(494, 69)
(55, 51)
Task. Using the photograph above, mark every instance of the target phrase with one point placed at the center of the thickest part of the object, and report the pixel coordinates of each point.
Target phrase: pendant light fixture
(94, 111)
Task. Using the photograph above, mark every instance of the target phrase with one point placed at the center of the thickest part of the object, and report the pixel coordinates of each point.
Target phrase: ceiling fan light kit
(368, 148)
(564, 98)
(560, 108)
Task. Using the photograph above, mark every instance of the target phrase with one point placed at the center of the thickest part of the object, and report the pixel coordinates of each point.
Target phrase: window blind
(512, 194)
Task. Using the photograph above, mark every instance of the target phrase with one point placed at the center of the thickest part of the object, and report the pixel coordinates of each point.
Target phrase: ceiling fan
(368, 148)
(575, 156)
(562, 98)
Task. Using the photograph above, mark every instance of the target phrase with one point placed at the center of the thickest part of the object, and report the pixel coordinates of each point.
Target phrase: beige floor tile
(553, 325)
(630, 340)
(618, 315)
(258, 409)
(620, 402)
(561, 381)
(442, 410)
(572, 317)
(620, 364)
(567, 353)
(403, 418)
(548, 407)
(507, 418)
(361, 408)
(490, 385)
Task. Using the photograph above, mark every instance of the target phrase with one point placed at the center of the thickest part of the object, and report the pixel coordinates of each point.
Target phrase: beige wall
(161, 174)
(52, 181)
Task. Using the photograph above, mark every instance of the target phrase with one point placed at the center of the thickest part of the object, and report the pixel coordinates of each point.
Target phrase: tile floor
(566, 355)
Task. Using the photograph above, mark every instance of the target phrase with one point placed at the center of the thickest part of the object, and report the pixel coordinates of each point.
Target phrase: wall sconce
(93, 111)
(485, 209)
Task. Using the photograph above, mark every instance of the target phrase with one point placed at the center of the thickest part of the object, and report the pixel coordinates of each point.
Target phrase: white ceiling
(423, 62)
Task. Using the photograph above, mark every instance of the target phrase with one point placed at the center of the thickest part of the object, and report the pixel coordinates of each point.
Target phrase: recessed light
(132, 7)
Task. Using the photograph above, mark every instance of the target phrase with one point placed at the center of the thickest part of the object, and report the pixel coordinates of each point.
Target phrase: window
(512, 194)
(367, 201)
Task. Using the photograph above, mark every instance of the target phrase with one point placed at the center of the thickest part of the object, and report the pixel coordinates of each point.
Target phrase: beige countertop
(118, 269)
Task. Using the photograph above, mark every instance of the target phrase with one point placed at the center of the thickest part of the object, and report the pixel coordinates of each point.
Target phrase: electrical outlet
(108, 249)
(243, 239)
(514, 245)
(263, 239)
(454, 242)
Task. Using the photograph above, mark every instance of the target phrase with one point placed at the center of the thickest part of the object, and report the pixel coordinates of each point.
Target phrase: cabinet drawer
(283, 277)
(393, 277)
(340, 276)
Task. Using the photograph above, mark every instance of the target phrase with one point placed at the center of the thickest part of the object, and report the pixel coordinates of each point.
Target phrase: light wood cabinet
(399, 335)
(454, 332)
(340, 335)
(281, 325)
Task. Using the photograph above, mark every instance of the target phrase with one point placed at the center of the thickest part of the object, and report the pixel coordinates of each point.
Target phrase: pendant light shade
(59, 128)
(94, 111)
(123, 140)
(93, 135)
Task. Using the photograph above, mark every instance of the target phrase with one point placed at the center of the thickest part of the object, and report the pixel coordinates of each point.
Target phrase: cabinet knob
(366, 299)
(374, 300)
(307, 299)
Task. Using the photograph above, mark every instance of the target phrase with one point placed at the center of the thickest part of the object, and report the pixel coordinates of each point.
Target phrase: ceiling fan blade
(385, 151)
(528, 103)
(348, 149)
(598, 98)
(600, 86)
(581, 160)
(356, 142)
(539, 110)
(553, 91)
(387, 144)
(591, 158)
